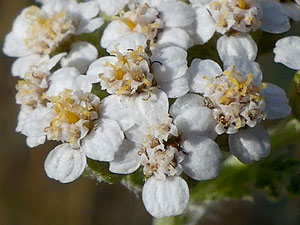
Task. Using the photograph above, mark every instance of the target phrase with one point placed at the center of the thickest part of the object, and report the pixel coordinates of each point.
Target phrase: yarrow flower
(164, 152)
(237, 101)
(159, 21)
(42, 30)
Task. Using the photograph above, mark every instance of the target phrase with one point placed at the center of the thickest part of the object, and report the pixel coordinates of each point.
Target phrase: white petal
(90, 26)
(65, 164)
(54, 60)
(274, 19)
(119, 108)
(68, 78)
(176, 14)
(292, 10)
(196, 121)
(184, 103)
(35, 124)
(287, 52)
(250, 144)
(199, 71)
(205, 25)
(169, 63)
(165, 197)
(128, 42)
(125, 160)
(112, 7)
(102, 143)
(203, 160)
(113, 32)
(35, 141)
(97, 68)
(177, 87)
(80, 56)
(152, 108)
(89, 9)
(276, 102)
(240, 45)
(23, 65)
(174, 37)
(14, 44)
(244, 65)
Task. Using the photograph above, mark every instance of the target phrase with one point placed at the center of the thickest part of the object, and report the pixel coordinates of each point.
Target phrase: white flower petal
(68, 78)
(112, 7)
(184, 103)
(196, 121)
(125, 160)
(169, 63)
(240, 45)
(128, 43)
(89, 9)
(54, 60)
(274, 19)
(102, 144)
(287, 52)
(80, 56)
(34, 125)
(35, 141)
(119, 108)
(113, 32)
(276, 102)
(177, 87)
(90, 26)
(291, 9)
(65, 164)
(174, 37)
(199, 71)
(23, 65)
(98, 67)
(176, 14)
(165, 197)
(250, 144)
(203, 160)
(205, 25)
(153, 108)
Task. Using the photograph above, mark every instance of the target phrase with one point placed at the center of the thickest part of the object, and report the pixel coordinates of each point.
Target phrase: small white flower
(42, 30)
(158, 21)
(237, 16)
(237, 101)
(130, 70)
(155, 143)
(287, 52)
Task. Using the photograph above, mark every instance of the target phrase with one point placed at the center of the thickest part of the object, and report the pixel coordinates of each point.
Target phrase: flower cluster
(146, 66)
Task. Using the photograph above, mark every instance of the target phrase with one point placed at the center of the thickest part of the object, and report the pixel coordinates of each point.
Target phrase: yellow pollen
(241, 4)
(246, 84)
(129, 23)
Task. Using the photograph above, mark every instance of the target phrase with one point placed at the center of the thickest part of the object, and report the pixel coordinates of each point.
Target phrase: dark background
(29, 197)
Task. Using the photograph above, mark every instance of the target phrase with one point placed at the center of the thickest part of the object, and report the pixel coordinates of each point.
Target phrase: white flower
(287, 52)
(155, 143)
(159, 21)
(127, 71)
(237, 16)
(42, 30)
(237, 100)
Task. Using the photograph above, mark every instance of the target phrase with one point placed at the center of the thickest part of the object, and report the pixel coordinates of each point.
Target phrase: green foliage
(294, 95)
(99, 171)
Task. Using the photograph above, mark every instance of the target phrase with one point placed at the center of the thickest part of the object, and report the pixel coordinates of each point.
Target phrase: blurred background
(29, 197)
